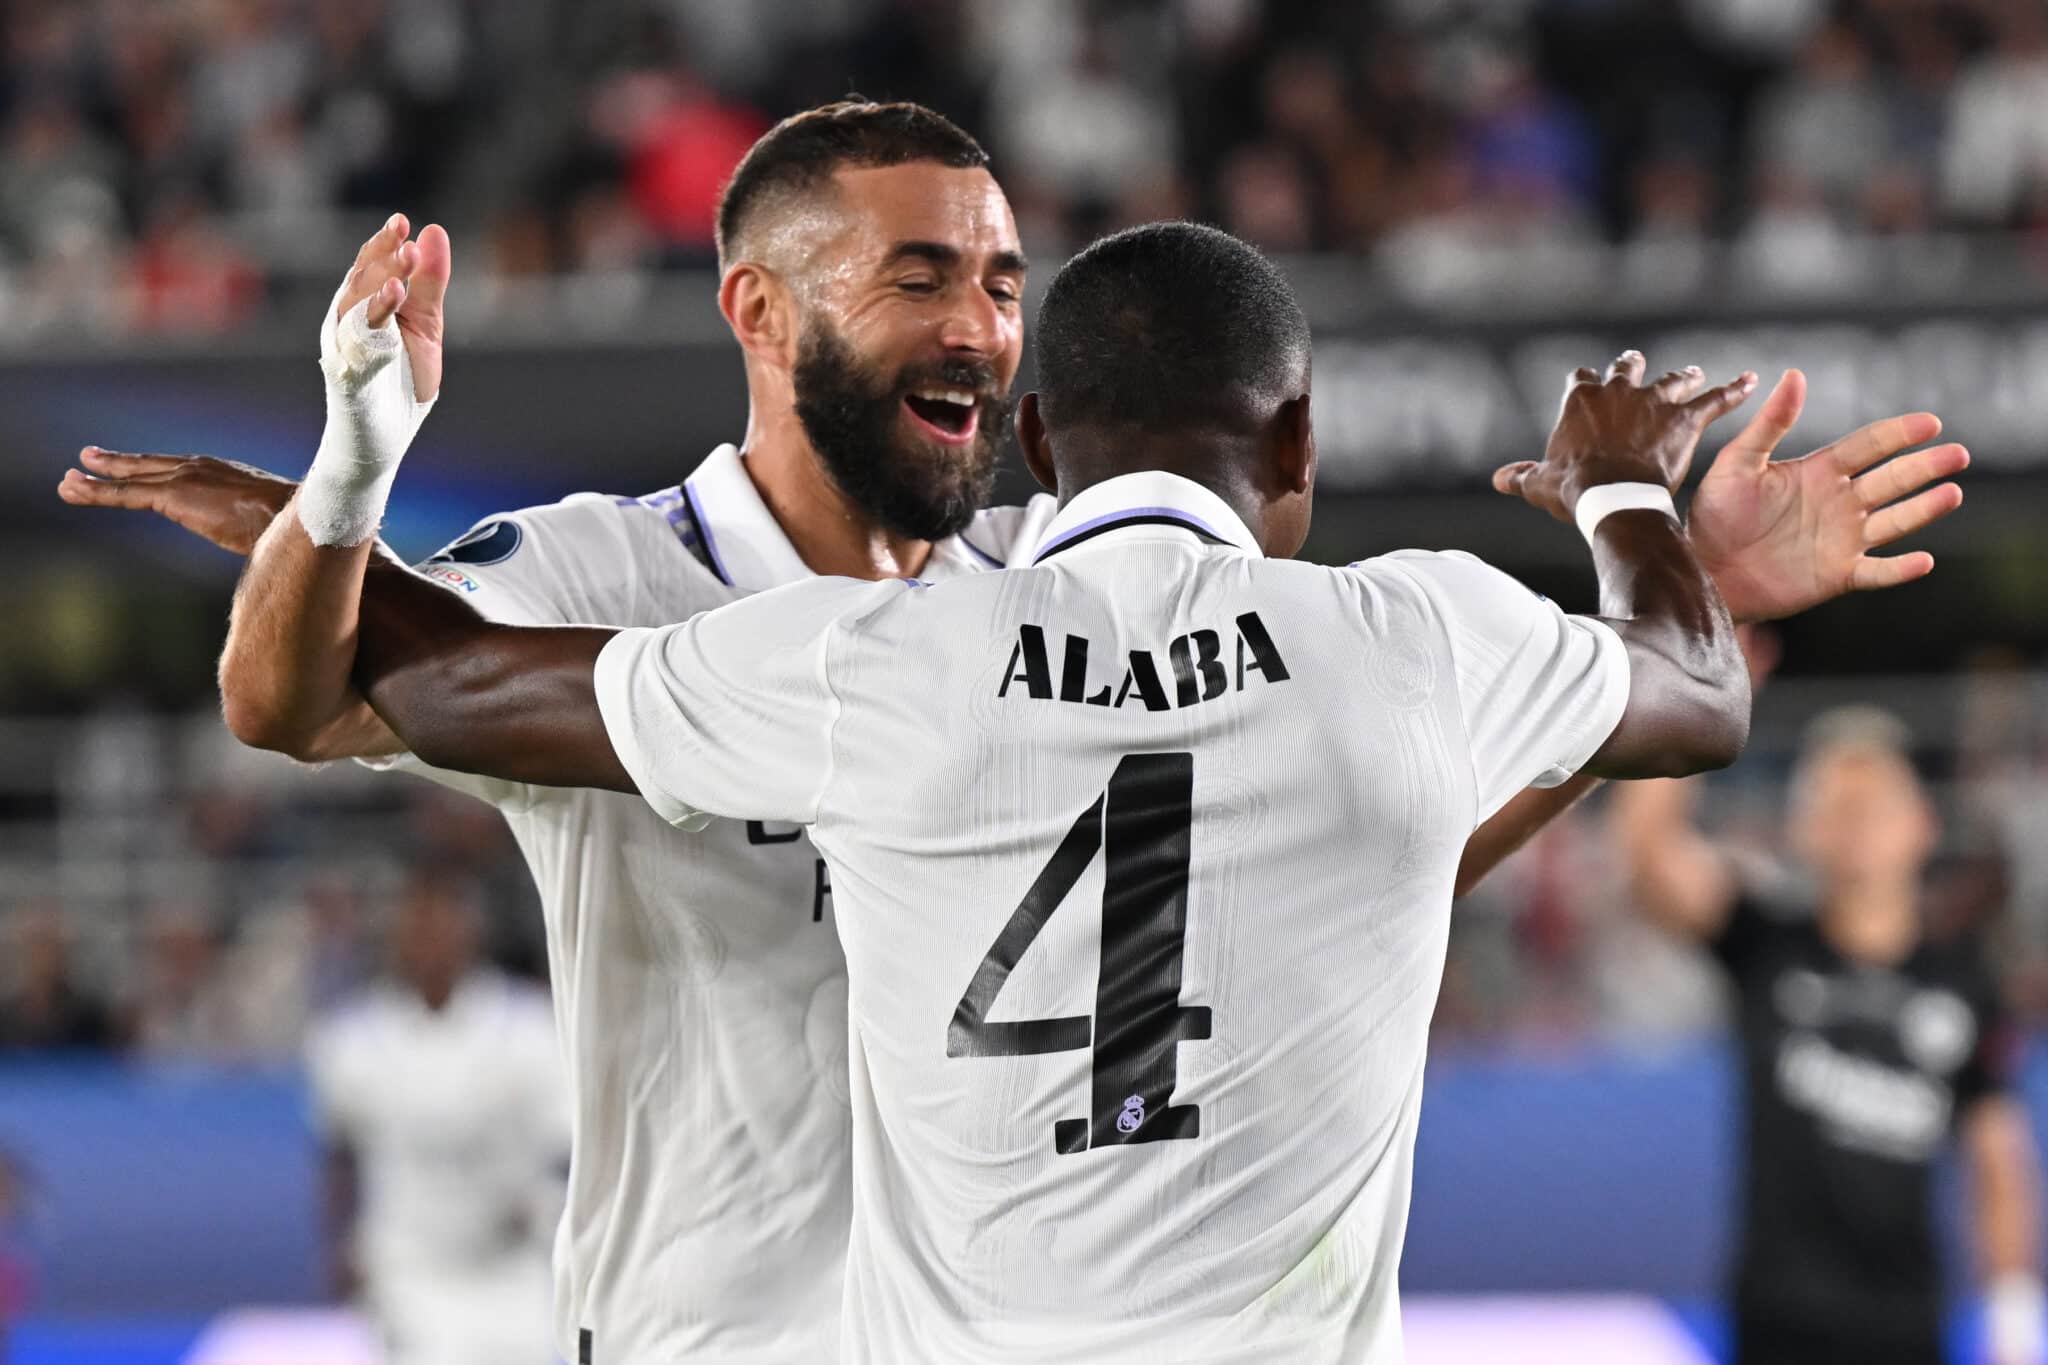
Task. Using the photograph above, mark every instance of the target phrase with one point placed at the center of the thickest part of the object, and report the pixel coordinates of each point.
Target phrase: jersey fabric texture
(459, 1122)
(700, 989)
(1142, 857)
(1854, 1078)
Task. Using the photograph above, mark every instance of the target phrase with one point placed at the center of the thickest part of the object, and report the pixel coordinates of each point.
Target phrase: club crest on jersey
(1196, 662)
(1133, 1115)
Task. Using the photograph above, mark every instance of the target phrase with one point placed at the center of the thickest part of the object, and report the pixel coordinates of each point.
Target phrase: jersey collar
(1153, 498)
(746, 546)
(743, 542)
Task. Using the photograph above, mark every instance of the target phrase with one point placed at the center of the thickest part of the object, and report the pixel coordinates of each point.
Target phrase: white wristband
(1602, 501)
(373, 413)
(2013, 1318)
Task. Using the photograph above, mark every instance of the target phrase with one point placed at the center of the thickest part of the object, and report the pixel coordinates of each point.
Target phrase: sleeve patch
(492, 543)
(450, 575)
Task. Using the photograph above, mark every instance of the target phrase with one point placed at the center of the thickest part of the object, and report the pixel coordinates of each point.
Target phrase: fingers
(1904, 518)
(1756, 442)
(382, 260)
(80, 490)
(1872, 573)
(1509, 478)
(1865, 446)
(115, 465)
(1679, 386)
(434, 264)
(1892, 481)
(1717, 403)
(1628, 367)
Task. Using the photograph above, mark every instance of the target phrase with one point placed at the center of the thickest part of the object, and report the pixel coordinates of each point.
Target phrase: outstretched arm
(511, 702)
(1780, 537)
(1688, 697)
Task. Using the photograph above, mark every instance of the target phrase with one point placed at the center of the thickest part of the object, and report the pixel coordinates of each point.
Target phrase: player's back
(1144, 860)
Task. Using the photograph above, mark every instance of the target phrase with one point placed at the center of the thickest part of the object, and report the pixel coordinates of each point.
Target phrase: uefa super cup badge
(1132, 1116)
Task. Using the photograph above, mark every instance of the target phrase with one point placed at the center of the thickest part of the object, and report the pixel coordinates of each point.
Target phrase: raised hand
(1780, 536)
(1612, 429)
(410, 279)
(227, 503)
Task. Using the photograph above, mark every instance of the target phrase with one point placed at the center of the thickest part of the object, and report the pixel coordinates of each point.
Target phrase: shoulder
(594, 557)
(347, 1032)
(1004, 537)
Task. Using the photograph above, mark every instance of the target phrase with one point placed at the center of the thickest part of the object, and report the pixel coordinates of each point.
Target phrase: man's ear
(758, 307)
(1294, 445)
(1037, 446)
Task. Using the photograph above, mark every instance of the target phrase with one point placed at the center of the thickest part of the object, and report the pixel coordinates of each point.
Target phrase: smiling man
(871, 274)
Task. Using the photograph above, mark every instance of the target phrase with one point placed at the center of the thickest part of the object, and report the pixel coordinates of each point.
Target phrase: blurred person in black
(1866, 1045)
(42, 1007)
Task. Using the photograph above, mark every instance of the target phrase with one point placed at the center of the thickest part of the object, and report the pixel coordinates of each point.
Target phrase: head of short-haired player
(1860, 818)
(872, 275)
(1177, 347)
(436, 935)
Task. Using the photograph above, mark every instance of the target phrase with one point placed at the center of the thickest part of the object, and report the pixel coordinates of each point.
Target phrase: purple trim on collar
(704, 531)
(1154, 515)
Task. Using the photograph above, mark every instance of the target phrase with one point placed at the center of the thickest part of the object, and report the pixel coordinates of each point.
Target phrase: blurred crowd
(166, 164)
(216, 913)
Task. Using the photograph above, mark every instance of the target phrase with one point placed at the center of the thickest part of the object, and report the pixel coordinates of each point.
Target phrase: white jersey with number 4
(1142, 858)
(700, 989)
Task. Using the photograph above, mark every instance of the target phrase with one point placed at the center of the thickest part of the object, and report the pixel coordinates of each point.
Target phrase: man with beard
(679, 968)
(874, 283)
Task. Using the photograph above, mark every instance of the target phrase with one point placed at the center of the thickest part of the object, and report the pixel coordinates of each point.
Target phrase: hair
(1169, 326)
(1856, 733)
(803, 152)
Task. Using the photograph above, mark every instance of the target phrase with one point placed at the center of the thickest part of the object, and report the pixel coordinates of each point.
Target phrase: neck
(831, 535)
(1219, 463)
(1874, 923)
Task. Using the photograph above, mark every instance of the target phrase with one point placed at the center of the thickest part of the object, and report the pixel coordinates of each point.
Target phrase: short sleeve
(1994, 1061)
(330, 1090)
(1745, 935)
(731, 713)
(1540, 690)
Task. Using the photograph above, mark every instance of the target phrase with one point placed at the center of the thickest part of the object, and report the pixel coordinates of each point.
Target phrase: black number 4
(1143, 824)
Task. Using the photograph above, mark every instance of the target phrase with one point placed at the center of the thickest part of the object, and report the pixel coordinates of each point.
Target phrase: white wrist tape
(2014, 1308)
(1602, 501)
(373, 412)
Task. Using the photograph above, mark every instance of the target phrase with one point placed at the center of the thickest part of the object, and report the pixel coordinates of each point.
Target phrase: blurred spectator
(1997, 147)
(1827, 118)
(440, 1095)
(42, 1005)
(184, 1007)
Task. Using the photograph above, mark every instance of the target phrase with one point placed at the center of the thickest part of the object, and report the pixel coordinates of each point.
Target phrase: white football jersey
(700, 989)
(459, 1119)
(1142, 857)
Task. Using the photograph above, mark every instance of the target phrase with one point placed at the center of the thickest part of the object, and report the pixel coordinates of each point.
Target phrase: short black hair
(804, 150)
(1168, 326)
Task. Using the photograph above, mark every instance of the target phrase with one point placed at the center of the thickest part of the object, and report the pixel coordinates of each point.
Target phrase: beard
(853, 415)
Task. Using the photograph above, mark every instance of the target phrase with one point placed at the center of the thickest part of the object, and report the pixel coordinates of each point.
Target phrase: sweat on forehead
(794, 163)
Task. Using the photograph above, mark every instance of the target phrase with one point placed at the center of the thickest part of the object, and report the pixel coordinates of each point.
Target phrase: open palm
(1782, 536)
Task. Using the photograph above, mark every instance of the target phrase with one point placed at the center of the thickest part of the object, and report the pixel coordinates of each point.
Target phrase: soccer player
(730, 1241)
(1866, 1049)
(872, 278)
(446, 1116)
(1142, 855)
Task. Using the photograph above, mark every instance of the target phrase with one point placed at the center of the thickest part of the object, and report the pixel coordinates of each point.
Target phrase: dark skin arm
(1688, 706)
(512, 702)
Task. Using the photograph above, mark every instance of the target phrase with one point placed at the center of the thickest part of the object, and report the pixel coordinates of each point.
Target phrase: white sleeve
(1540, 690)
(731, 713)
(329, 1089)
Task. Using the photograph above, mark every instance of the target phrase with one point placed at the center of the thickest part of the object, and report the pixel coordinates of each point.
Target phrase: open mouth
(952, 415)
